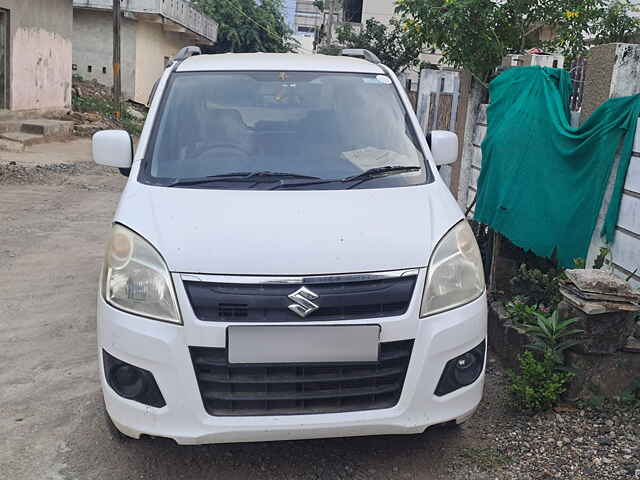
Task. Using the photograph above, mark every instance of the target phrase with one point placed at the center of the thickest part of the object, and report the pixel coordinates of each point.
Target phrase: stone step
(17, 141)
(10, 145)
(10, 126)
(47, 128)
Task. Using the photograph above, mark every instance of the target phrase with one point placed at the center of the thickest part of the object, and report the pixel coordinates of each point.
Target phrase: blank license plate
(303, 344)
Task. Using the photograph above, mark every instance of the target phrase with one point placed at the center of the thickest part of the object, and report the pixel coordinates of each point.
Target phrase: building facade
(152, 32)
(35, 54)
(309, 19)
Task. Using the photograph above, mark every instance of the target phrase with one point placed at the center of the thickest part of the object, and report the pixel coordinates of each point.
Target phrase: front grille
(269, 302)
(300, 389)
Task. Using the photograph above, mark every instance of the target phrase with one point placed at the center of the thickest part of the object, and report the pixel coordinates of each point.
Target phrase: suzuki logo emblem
(304, 305)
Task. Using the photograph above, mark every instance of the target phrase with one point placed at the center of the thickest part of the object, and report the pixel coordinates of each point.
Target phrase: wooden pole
(495, 253)
(117, 73)
(330, 25)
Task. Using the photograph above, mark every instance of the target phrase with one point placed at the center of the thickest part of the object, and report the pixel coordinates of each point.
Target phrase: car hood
(308, 232)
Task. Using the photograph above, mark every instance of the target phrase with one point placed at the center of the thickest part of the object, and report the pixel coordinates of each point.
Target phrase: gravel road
(54, 222)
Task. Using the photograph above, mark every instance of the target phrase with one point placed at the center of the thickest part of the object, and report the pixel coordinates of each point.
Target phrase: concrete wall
(625, 249)
(381, 10)
(40, 53)
(93, 47)
(306, 44)
(153, 45)
(598, 74)
(614, 71)
(472, 155)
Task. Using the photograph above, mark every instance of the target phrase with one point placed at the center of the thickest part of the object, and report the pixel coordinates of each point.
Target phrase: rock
(93, 117)
(603, 334)
(633, 469)
(601, 281)
(601, 375)
(136, 114)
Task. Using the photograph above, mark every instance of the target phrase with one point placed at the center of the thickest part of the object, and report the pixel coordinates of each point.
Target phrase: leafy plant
(477, 34)
(330, 49)
(539, 385)
(631, 275)
(616, 25)
(551, 335)
(631, 394)
(605, 252)
(538, 287)
(579, 263)
(395, 45)
(522, 314)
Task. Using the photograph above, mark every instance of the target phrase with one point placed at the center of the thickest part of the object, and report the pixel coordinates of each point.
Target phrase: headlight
(455, 274)
(136, 279)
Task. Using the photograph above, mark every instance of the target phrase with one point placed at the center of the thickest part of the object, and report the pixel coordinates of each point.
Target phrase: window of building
(353, 11)
(90, 68)
(306, 30)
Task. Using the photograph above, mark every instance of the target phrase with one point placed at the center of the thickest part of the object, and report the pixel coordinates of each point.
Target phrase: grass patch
(486, 458)
(107, 108)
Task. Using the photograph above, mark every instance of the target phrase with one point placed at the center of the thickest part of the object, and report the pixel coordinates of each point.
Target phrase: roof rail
(360, 53)
(187, 52)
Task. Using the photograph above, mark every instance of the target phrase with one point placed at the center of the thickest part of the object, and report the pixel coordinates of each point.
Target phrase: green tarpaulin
(542, 181)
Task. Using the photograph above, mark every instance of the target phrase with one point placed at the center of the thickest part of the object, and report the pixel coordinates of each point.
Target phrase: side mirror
(444, 147)
(113, 148)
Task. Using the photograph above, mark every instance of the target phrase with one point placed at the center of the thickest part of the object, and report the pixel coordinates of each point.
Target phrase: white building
(309, 19)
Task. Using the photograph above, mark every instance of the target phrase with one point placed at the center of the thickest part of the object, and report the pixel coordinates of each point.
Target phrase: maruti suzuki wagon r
(285, 261)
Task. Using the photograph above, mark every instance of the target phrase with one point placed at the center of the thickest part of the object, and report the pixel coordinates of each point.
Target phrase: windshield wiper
(239, 176)
(358, 179)
(381, 171)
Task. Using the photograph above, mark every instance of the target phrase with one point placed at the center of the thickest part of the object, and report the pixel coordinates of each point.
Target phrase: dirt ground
(54, 221)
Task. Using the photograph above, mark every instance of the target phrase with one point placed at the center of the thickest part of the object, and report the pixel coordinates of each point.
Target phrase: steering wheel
(207, 147)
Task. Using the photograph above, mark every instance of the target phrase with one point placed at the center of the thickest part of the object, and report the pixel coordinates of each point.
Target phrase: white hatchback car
(285, 261)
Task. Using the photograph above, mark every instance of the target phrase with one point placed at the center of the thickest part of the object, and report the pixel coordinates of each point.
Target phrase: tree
(594, 22)
(248, 26)
(476, 34)
(617, 26)
(394, 45)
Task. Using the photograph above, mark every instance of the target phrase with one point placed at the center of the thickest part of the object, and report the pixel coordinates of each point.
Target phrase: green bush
(539, 384)
(553, 336)
(107, 108)
(522, 314)
(538, 287)
(631, 394)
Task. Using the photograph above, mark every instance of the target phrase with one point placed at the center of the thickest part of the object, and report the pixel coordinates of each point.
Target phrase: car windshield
(303, 130)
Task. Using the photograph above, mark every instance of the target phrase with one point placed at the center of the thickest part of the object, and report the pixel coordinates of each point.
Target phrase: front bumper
(162, 349)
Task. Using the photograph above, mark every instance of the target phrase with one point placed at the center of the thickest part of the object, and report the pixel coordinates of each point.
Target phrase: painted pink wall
(40, 70)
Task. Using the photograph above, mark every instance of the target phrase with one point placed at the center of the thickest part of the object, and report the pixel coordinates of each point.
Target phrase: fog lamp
(461, 371)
